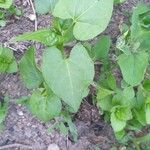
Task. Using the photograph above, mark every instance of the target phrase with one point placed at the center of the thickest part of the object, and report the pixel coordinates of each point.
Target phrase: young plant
(127, 106)
(63, 80)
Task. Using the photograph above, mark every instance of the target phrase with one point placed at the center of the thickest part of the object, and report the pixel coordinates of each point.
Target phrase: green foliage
(63, 79)
(101, 48)
(44, 36)
(46, 6)
(68, 73)
(87, 23)
(119, 1)
(5, 3)
(45, 105)
(29, 72)
(3, 110)
(133, 67)
(128, 106)
(7, 61)
(119, 116)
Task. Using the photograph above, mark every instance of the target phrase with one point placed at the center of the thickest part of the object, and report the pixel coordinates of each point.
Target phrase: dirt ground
(23, 128)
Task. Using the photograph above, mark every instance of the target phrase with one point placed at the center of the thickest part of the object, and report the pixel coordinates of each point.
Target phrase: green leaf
(7, 61)
(44, 7)
(102, 93)
(147, 110)
(128, 94)
(119, 116)
(101, 49)
(117, 124)
(5, 3)
(90, 17)
(146, 84)
(45, 36)
(140, 115)
(68, 78)
(143, 139)
(45, 107)
(140, 98)
(136, 26)
(3, 110)
(71, 125)
(119, 1)
(105, 104)
(133, 67)
(29, 72)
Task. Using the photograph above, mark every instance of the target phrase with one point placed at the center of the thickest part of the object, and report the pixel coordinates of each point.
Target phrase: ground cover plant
(61, 81)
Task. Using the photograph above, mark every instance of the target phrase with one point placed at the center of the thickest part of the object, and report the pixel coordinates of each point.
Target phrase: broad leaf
(45, 107)
(5, 3)
(90, 17)
(45, 7)
(45, 36)
(29, 72)
(133, 67)
(68, 78)
(7, 61)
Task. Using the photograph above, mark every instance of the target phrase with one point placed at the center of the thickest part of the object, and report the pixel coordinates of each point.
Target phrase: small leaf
(30, 74)
(140, 115)
(5, 3)
(105, 104)
(119, 116)
(147, 110)
(133, 67)
(45, 7)
(45, 36)
(7, 61)
(68, 78)
(117, 124)
(101, 48)
(90, 17)
(146, 84)
(45, 107)
(128, 92)
(102, 93)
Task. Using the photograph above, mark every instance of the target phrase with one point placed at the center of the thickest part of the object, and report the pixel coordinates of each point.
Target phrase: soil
(23, 128)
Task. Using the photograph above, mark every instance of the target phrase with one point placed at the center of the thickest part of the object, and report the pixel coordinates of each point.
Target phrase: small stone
(53, 147)
(20, 113)
(32, 17)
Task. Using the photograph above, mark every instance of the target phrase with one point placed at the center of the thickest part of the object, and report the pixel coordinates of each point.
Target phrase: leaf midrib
(70, 79)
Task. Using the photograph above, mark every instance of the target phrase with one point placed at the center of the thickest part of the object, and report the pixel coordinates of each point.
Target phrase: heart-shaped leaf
(90, 17)
(133, 67)
(68, 78)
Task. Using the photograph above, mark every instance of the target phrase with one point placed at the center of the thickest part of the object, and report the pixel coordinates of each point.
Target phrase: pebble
(53, 147)
(20, 113)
